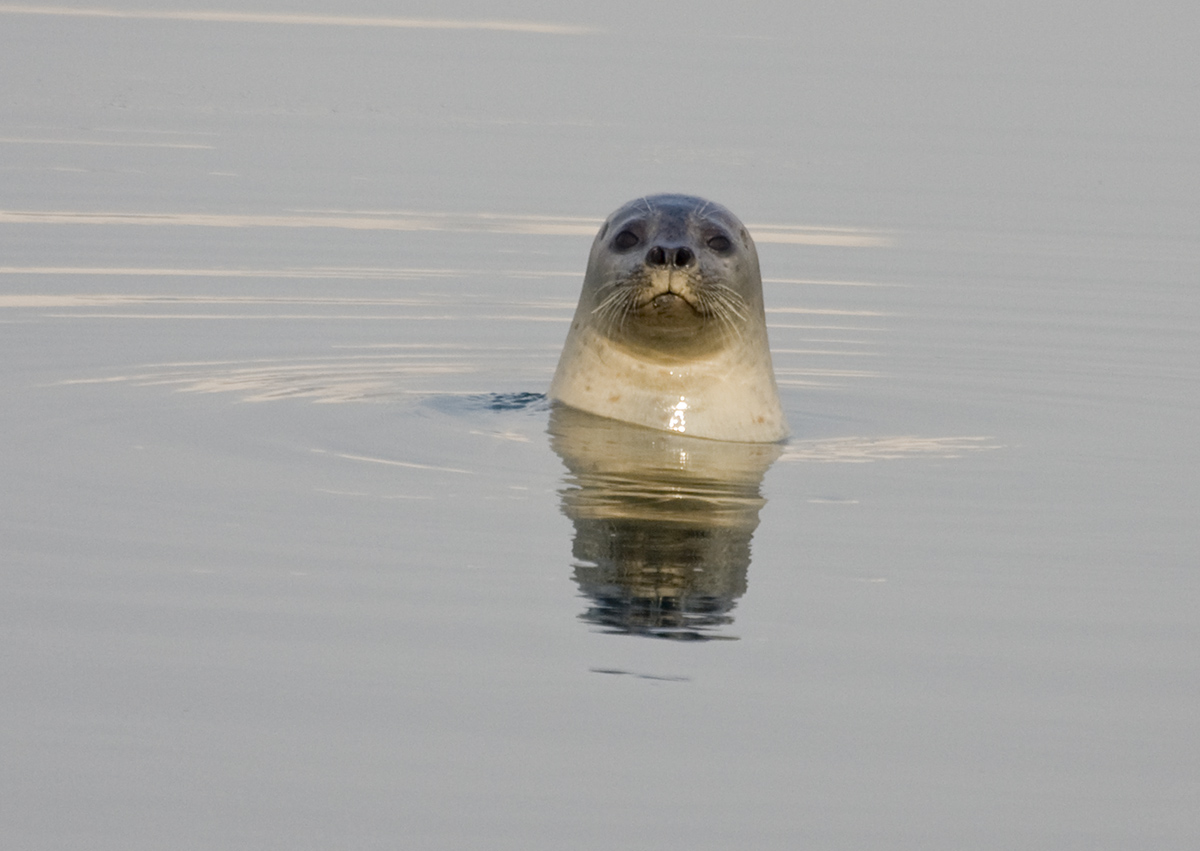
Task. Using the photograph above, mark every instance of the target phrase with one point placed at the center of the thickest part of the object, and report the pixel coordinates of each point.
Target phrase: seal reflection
(663, 523)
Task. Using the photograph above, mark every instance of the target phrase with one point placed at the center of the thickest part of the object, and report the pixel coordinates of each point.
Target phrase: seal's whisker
(616, 306)
(725, 314)
(724, 299)
(728, 306)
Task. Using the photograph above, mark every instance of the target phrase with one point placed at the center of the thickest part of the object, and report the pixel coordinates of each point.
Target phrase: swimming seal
(670, 331)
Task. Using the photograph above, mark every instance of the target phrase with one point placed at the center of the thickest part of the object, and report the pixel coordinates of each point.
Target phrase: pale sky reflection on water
(295, 555)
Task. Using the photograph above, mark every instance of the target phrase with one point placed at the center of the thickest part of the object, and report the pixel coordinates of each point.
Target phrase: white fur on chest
(730, 395)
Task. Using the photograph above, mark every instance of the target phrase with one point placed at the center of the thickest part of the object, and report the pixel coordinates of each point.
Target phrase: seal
(670, 331)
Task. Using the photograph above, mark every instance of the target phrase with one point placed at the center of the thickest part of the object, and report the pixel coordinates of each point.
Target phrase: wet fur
(698, 365)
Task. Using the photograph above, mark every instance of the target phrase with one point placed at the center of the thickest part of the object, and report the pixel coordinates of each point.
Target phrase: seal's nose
(679, 257)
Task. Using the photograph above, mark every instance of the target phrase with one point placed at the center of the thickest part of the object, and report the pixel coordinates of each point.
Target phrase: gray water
(294, 557)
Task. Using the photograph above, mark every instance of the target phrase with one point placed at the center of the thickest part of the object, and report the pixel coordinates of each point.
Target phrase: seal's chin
(670, 322)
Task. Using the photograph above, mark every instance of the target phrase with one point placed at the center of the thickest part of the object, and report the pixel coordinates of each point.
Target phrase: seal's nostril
(678, 257)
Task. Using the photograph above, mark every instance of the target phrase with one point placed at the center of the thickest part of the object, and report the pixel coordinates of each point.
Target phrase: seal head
(670, 331)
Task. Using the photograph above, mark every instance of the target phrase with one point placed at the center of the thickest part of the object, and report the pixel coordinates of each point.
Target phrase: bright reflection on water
(663, 524)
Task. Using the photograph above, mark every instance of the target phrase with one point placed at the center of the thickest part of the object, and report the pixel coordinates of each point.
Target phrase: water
(291, 559)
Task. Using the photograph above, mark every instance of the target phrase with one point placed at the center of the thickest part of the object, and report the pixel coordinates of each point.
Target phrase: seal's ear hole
(720, 243)
(626, 240)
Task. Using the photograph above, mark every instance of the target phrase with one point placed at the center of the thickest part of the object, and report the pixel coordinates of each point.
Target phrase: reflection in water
(413, 220)
(302, 19)
(663, 523)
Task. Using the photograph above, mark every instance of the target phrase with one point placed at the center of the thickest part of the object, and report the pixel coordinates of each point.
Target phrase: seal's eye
(720, 244)
(626, 240)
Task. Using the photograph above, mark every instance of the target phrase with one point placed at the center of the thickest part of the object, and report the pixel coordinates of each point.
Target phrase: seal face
(670, 331)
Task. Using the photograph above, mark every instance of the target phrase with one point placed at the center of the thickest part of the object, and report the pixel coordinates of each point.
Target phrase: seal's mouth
(657, 305)
(670, 308)
(667, 302)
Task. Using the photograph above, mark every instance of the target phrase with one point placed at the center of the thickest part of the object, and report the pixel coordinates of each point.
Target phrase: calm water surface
(295, 555)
